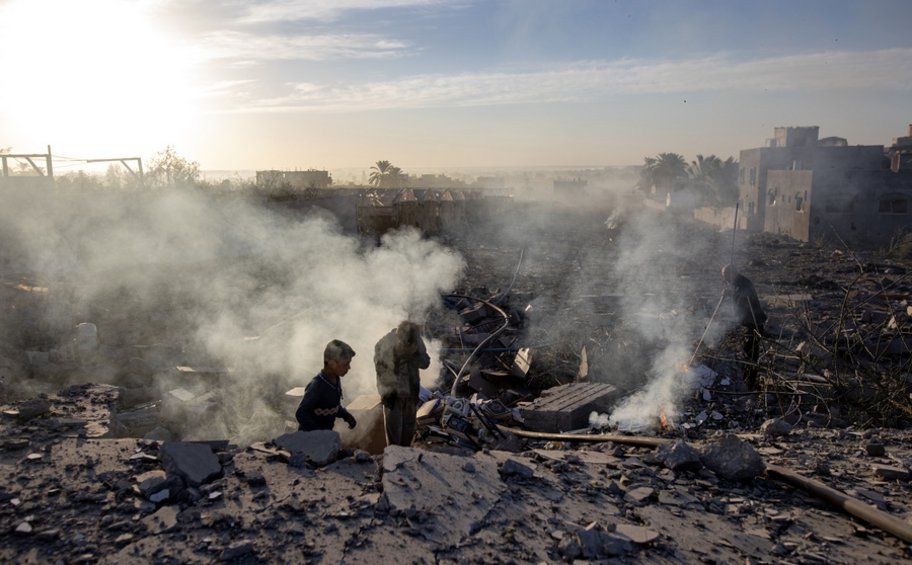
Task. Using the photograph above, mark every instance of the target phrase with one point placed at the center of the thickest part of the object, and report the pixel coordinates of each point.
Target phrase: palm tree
(715, 178)
(396, 178)
(385, 175)
(378, 173)
(661, 171)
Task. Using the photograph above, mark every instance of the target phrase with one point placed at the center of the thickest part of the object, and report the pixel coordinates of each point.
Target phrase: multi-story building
(824, 189)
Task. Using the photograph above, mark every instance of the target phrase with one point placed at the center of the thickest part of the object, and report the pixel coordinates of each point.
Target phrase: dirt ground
(834, 406)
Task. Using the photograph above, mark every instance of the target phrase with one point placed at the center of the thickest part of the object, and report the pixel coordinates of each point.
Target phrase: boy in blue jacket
(322, 402)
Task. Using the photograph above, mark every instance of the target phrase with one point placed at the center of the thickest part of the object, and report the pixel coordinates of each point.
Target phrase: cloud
(888, 69)
(246, 47)
(322, 10)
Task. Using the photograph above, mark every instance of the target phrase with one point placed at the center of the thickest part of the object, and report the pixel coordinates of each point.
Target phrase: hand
(350, 420)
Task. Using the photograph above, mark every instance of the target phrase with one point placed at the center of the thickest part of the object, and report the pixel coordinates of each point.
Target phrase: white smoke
(659, 269)
(222, 281)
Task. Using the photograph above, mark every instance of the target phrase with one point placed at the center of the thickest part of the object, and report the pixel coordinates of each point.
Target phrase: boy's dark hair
(337, 350)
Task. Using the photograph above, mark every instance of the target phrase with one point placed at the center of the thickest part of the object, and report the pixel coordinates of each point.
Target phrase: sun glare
(99, 74)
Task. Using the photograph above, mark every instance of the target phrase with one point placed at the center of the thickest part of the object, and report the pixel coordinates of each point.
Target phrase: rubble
(81, 483)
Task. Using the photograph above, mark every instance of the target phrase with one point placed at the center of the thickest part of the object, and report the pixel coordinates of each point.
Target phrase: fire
(663, 419)
(30, 288)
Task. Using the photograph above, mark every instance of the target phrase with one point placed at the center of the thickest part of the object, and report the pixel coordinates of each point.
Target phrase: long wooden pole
(640, 441)
(853, 506)
(721, 298)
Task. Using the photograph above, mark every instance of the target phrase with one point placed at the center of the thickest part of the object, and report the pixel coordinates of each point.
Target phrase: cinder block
(567, 407)
(370, 433)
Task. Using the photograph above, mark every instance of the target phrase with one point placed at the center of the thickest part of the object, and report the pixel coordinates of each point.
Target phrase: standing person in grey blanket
(749, 315)
(398, 357)
(322, 402)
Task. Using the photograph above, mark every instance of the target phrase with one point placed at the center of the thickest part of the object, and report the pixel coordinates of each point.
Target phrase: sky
(446, 84)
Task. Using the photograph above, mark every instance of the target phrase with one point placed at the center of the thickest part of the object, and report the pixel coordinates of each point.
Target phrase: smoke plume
(246, 292)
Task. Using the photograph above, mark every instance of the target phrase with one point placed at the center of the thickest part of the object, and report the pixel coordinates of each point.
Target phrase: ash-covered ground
(242, 300)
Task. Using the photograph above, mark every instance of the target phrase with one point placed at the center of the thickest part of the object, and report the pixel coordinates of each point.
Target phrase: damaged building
(814, 189)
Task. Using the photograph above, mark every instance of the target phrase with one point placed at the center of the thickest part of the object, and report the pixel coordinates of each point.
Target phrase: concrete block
(370, 433)
(567, 407)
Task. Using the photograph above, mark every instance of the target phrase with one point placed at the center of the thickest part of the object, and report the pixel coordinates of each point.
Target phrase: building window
(753, 176)
(799, 204)
(741, 175)
(894, 204)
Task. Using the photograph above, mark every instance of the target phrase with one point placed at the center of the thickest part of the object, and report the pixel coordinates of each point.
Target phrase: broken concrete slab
(319, 447)
(436, 485)
(193, 462)
(33, 408)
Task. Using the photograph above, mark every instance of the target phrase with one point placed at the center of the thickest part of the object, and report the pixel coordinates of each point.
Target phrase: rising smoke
(660, 269)
(187, 278)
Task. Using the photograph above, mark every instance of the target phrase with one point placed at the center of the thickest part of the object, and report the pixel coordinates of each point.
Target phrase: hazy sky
(446, 83)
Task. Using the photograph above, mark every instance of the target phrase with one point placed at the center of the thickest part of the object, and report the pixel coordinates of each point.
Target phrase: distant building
(429, 210)
(901, 152)
(816, 190)
(434, 181)
(285, 181)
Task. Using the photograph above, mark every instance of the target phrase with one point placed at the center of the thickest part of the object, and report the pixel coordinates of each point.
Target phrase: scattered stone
(318, 447)
(775, 427)
(14, 444)
(123, 539)
(163, 520)
(637, 534)
(236, 550)
(875, 449)
(891, 473)
(194, 462)
(679, 456)
(152, 482)
(513, 468)
(639, 496)
(34, 408)
(24, 528)
(733, 458)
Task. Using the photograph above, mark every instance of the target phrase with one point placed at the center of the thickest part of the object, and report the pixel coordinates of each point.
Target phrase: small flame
(30, 288)
(663, 419)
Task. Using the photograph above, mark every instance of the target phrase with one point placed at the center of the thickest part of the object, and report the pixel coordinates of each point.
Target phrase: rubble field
(705, 471)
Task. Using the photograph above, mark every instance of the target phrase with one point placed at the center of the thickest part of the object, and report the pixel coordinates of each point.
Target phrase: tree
(167, 169)
(716, 179)
(661, 171)
(378, 173)
(385, 175)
